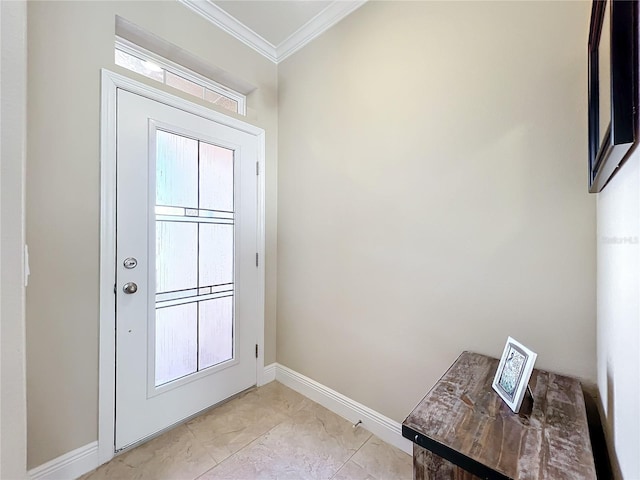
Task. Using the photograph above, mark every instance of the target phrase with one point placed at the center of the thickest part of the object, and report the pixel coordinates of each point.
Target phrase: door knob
(130, 288)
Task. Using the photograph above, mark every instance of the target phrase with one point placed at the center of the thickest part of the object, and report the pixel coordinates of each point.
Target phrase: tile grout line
(206, 450)
(239, 450)
(288, 417)
(353, 455)
(203, 446)
(283, 405)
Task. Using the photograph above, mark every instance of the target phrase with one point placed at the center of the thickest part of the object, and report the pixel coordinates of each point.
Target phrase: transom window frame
(167, 65)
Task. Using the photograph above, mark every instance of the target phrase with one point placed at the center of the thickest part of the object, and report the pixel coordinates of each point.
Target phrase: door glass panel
(216, 254)
(216, 331)
(176, 170)
(194, 256)
(176, 342)
(176, 256)
(216, 178)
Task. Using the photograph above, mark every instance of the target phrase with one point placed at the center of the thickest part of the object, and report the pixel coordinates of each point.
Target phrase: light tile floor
(270, 432)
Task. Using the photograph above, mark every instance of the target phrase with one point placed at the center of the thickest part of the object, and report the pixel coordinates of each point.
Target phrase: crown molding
(233, 27)
(324, 20)
(319, 24)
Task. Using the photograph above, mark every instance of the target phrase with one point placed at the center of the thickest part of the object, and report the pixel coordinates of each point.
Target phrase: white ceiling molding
(319, 24)
(233, 27)
(324, 20)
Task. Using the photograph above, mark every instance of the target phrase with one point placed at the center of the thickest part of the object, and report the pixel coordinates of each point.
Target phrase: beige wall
(432, 186)
(68, 44)
(13, 74)
(433, 195)
(619, 316)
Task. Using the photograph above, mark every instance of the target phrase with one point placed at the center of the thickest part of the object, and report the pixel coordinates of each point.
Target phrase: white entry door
(186, 277)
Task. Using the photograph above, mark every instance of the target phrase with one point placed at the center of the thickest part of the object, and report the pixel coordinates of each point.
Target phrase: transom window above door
(139, 60)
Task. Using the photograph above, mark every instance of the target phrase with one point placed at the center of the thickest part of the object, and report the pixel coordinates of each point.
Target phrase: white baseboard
(84, 459)
(269, 373)
(383, 427)
(68, 466)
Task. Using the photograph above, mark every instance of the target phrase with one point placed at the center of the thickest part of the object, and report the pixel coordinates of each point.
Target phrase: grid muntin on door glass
(195, 229)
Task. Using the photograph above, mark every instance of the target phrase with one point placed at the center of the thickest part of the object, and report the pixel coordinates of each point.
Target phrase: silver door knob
(130, 288)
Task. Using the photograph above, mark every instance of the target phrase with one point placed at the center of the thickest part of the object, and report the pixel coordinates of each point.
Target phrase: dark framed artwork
(613, 81)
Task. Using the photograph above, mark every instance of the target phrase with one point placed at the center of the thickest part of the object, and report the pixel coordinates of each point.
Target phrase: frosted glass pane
(142, 67)
(215, 331)
(216, 177)
(185, 85)
(176, 256)
(177, 211)
(221, 100)
(176, 342)
(216, 254)
(176, 170)
(211, 96)
(227, 103)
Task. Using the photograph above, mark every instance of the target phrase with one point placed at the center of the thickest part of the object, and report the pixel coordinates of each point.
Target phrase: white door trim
(107, 374)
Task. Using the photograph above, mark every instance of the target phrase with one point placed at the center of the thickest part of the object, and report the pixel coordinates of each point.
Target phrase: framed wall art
(613, 81)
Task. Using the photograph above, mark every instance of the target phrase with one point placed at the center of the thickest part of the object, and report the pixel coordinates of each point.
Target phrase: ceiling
(274, 28)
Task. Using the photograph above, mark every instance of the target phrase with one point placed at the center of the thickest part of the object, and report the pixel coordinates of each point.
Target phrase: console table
(463, 430)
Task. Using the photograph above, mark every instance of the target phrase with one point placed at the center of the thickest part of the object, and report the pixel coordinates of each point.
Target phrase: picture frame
(514, 370)
(612, 76)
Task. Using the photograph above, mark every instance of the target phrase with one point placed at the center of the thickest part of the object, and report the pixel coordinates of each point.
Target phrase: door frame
(111, 82)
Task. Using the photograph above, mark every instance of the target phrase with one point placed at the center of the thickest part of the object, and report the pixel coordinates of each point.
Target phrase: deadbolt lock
(130, 263)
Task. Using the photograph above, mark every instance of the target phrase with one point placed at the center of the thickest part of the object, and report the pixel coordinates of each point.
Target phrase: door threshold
(181, 422)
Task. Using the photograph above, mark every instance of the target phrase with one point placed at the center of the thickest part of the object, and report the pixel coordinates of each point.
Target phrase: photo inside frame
(512, 371)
